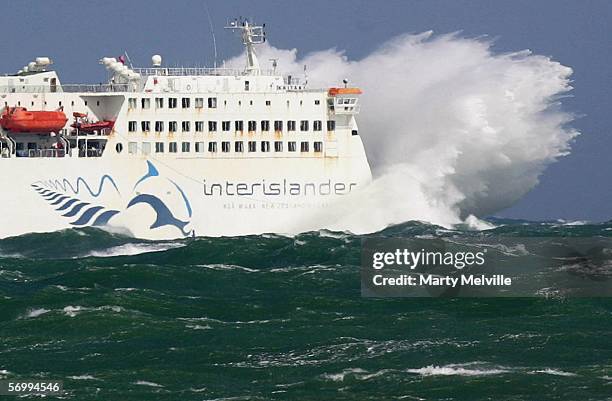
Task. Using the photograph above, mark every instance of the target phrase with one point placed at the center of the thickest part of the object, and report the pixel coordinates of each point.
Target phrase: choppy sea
(270, 317)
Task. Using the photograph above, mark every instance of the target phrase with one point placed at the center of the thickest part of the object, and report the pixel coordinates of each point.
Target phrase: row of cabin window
(145, 103)
(264, 146)
(145, 126)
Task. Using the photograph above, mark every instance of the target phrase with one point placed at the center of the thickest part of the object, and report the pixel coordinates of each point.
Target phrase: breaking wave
(452, 129)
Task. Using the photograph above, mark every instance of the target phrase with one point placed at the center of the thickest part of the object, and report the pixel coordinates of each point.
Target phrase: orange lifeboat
(19, 119)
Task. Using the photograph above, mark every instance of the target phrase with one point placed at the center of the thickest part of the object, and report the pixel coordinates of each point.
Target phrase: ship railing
(95, 88)
(195, 71)
(41, 153)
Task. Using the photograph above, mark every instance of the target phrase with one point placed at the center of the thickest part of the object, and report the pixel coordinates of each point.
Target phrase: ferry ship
(164, 153)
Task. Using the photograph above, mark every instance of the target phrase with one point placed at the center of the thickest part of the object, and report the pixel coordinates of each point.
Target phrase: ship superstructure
(166, 152)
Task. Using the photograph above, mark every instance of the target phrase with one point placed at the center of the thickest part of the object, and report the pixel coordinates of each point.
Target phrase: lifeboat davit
(19, 119)
(84, 125)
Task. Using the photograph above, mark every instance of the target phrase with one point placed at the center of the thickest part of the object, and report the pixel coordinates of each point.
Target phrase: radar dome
(156, 60)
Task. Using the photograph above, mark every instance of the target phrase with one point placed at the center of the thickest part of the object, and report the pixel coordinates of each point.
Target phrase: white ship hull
(174, 198)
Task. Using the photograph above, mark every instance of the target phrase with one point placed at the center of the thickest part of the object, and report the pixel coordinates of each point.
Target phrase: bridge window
(278, 125)
(304, 125)
(132, 126)
(225, 146)
(212, 126)
(252, 125)
(172, 126)
(317, 125)
(290, 125)
(199, 126)
(212, 102)
(239, 125)
(265, 146)
(331, 125)
(186, 147)
(226, 125)
(159, 147)
(238, 147)
(199, 147)
(252, 146)
(265, 125)
(145, 126)
(172, 103)
(159, 102)
(132, 148)
(186, 126)
(186, 102)
(145, 103)
(212, 147)
(199, 102)
(318, 146)
(291, 146)
(278, 146)
(304, 147)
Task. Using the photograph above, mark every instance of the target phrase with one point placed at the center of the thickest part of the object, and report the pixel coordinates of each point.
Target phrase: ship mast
(251, 35)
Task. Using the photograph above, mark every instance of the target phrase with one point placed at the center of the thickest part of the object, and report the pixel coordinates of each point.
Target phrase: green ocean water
(277, 318)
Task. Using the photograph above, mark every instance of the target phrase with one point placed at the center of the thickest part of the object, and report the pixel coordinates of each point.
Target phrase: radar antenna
(251, 35)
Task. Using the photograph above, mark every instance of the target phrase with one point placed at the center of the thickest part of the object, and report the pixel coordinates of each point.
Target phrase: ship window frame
(200, 147)
(291, 125)
(132, 148)
(304, 125)
(304, 146)
(119, 147)
(212, 126)
(145, 148)
(265, 125)
(145, 126)
(172, 147)
(145, 103)
(132, 103)
(252, 126)
(317, 125)
(159, 103)
(199, 103)
(186, 103)
(212, 147)
(226, 146)
(159, 147)
(132, 126)
(331, 125)
(172, 103)
(278, 125)
(172, 126)
(186, 126)
(239, 147)
(265, 146)
(212, 102)
(226, 126)
(252, 145)
(239, 125)
(278, 146)
(199, 126)
(291, 146)
(317, 146)
(185, 147)
(159, 126)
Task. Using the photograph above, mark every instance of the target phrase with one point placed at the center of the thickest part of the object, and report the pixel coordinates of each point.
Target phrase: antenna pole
(212, 32)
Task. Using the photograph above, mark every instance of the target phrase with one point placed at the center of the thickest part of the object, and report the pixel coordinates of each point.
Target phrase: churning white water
(452, 129)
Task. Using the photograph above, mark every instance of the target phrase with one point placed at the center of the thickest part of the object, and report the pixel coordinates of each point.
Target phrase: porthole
(119, 147)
